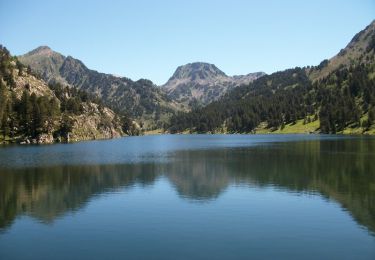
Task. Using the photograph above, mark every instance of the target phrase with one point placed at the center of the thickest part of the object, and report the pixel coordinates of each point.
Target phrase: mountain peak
(44, 61)
(203, 83)
(42, 50)
(197, 71)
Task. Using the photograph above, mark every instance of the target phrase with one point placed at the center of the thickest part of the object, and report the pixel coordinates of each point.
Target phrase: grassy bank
(300, 127)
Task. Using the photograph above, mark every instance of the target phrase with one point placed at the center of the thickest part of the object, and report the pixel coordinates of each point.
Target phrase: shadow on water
(340, 170)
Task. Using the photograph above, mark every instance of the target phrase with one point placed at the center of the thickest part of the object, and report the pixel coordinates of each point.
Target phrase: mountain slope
(141, 99)
(201, 83)
(338, 96)
(32, 111)
(358, 51)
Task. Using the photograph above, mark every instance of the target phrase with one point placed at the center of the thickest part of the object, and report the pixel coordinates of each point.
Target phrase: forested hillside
(338, 96)
(276, 99)
(32, 111)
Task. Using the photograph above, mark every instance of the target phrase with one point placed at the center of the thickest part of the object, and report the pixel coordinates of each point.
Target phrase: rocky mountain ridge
(141, 99)
(195, 83)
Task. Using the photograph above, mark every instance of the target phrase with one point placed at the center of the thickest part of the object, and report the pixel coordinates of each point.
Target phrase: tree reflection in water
(339, 170)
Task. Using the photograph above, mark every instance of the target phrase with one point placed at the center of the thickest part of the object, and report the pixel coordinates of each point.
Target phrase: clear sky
(149, 39)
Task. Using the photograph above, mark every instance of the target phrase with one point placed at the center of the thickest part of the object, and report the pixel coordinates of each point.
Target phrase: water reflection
(341, 170)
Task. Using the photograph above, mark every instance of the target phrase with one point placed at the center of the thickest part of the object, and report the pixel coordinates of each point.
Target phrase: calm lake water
(190, 197)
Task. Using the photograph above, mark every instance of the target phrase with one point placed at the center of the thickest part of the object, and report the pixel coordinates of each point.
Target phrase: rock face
(95, 124)
(46, 139)
(32, 84)
(140, 99)
(201, 83)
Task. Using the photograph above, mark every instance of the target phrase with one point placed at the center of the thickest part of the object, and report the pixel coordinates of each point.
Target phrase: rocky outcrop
(32, 84)
(95, 124)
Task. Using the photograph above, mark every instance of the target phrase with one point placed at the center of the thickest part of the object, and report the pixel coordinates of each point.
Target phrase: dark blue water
(190, 196)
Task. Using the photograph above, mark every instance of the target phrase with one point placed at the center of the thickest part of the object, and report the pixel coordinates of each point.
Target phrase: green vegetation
(288, 102)
(344, 97)
(277, 99)
(300, 126)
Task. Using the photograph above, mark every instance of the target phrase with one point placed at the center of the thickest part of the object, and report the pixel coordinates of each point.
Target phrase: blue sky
(149, 39)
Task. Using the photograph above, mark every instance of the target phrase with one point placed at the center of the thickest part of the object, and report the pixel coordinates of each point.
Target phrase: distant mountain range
(191, 84)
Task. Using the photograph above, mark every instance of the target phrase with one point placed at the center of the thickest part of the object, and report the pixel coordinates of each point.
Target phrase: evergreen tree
(5, 121)
(36, 117)
(25, 113)
(66, 126)
(371, 117)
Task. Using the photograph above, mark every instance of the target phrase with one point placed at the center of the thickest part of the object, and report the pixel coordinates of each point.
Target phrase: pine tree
(4, 123)
(19, 67)
(66, 126)
(371, 116)
(7, 120)
(25, 113)
(3, 99)
(36, 116)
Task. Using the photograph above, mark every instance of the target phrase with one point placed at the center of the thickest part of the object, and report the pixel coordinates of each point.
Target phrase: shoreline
(160, 132)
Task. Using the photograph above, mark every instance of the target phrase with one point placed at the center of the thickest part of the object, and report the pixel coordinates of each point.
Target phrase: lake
(190, 197)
